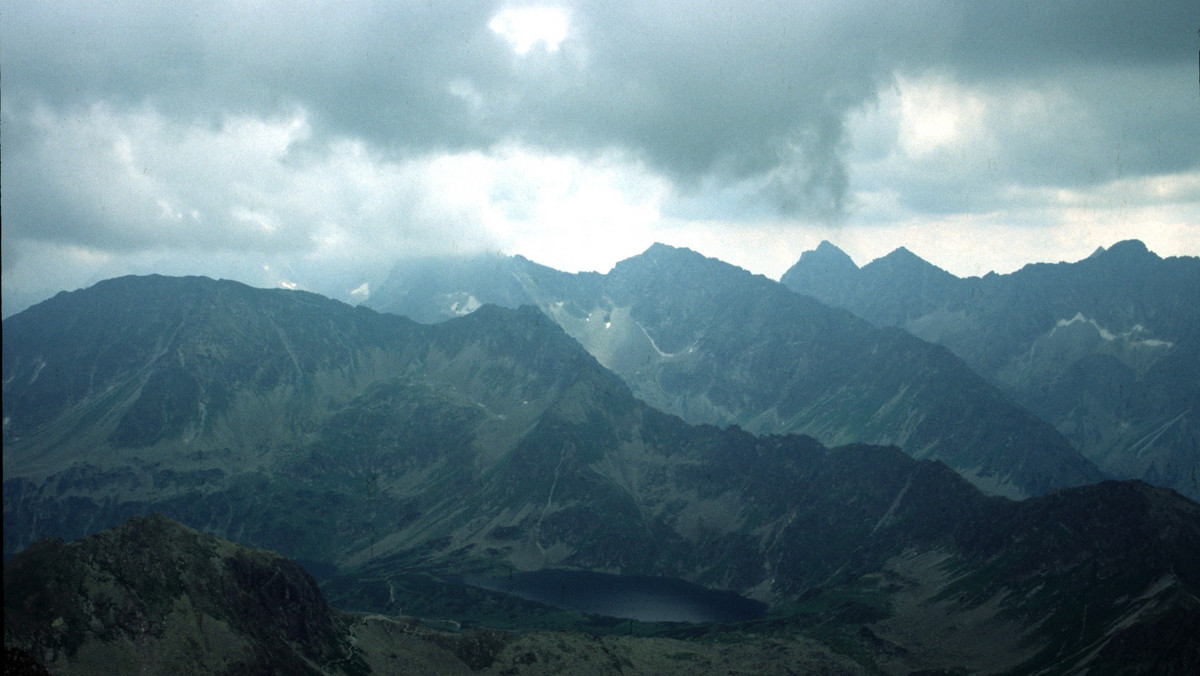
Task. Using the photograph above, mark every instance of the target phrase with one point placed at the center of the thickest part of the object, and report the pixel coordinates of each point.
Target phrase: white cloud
(250, 189)
(524, 28)
(935, 115)
(990, 176)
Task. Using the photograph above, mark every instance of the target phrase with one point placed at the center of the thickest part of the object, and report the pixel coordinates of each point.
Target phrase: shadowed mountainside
(152, 596)
(713, 344)
(1106, 349)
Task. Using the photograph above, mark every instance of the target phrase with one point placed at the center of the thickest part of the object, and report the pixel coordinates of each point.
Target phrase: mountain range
(492, 439)
(389, 456)
(714, 344)
(1106, 349)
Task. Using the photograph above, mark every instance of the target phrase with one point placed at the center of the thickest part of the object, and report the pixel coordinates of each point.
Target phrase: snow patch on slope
(1104, 333)
(465, 306)
(1135, 335)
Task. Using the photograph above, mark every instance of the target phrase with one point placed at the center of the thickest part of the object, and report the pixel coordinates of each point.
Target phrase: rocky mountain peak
(827, 264)
(1127, 251)
(660, 254)
(903, 260)
(668, 272)
(827, 251)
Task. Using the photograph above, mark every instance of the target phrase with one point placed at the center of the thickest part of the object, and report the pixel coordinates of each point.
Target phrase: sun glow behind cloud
(524, 28)
(242, 190)
(935, 115)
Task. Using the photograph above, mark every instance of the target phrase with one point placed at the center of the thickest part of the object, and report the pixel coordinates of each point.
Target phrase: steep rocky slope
(714, 344)
(1106, 349)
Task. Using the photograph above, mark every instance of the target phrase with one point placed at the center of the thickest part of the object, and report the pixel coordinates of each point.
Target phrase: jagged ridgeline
(342, 437)
(373, 448)
(1107, 349)
(714, 344)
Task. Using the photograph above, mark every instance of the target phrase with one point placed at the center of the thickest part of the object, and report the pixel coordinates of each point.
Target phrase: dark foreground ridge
(153, 596)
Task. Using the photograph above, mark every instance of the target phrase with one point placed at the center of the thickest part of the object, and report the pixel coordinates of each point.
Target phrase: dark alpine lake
(647, 599)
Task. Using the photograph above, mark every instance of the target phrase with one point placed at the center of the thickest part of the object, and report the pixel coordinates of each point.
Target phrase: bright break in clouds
(315, 145)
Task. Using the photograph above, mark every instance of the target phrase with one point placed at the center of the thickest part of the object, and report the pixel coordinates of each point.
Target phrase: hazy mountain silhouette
(1106, 349)
(714, 344)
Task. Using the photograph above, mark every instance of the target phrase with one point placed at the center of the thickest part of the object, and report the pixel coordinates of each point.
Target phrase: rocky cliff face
(1106, 349)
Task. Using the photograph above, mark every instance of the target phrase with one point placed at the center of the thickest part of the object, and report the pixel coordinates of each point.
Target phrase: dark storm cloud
(375, 70)
(997, 38)
(721, 88)
(1128, 70)
(375, 129)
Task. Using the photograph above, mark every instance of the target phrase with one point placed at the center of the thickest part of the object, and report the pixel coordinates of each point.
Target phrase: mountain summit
(827, 259)
(715, 344)
(1106, 349)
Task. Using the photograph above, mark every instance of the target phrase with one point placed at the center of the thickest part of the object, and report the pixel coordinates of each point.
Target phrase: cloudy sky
(316, 144)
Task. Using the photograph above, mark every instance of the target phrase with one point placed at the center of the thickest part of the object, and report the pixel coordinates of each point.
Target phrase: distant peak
(903, 253)
(1128, 246)
(900, 257)
(1130, 250)
(663, 262)
(826, 250)
(822, 265)
(660, 249)
(659, 252)
(904, 262)
(828, 256)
